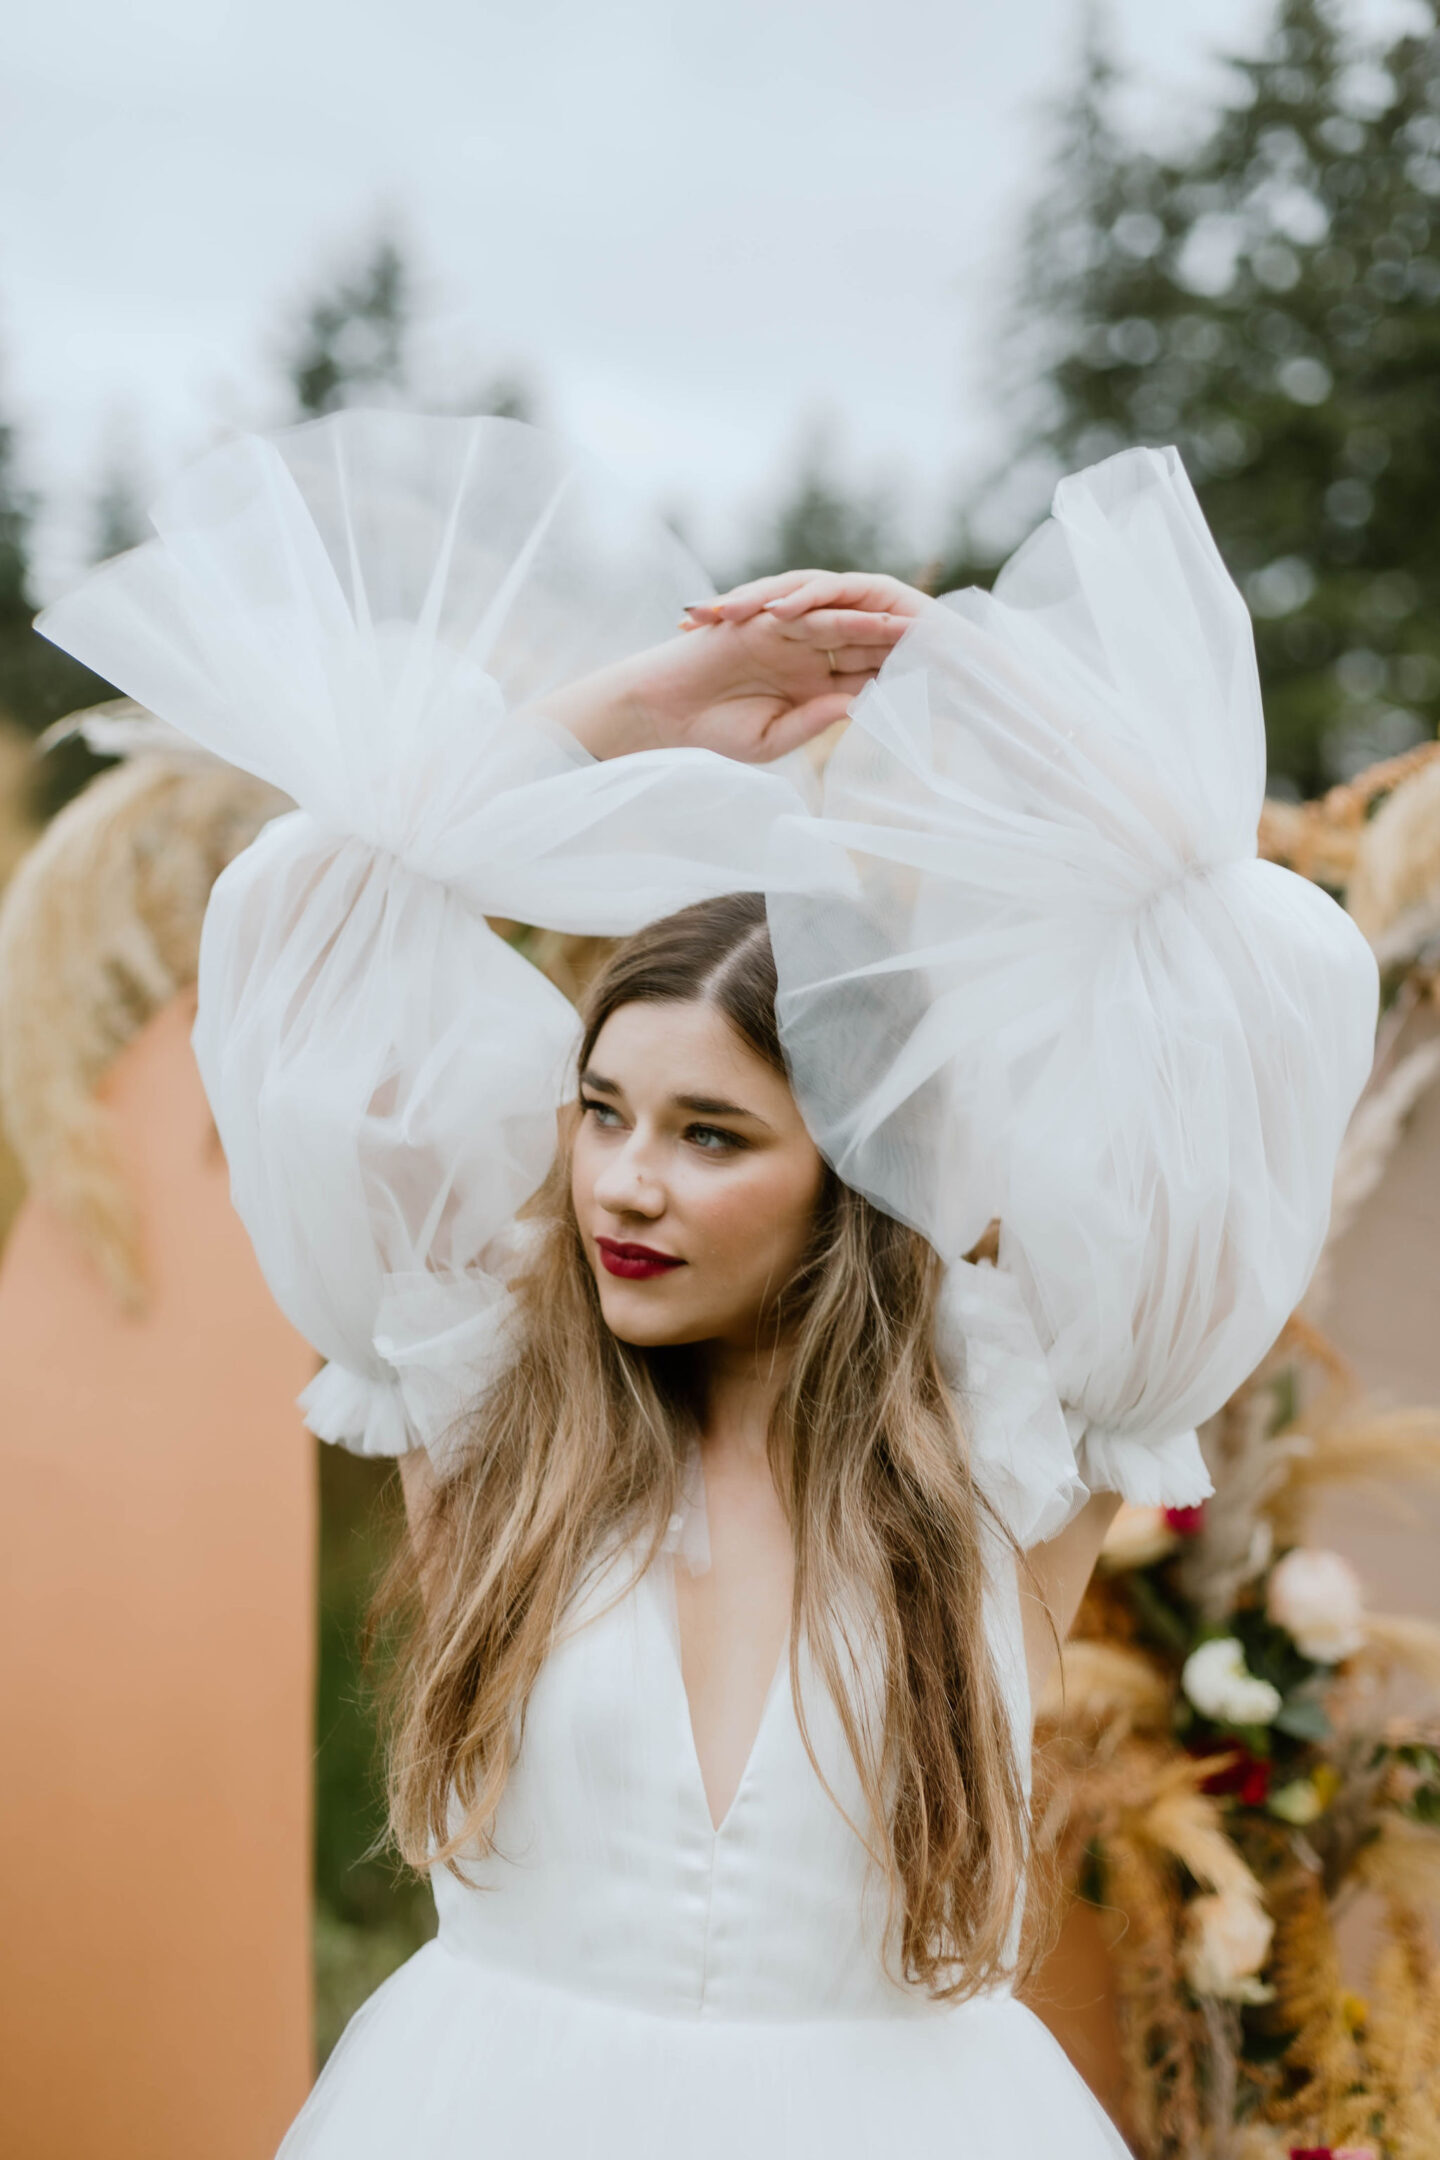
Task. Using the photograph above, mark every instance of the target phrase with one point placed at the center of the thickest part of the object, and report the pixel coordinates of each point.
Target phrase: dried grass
(1363, 1447)
(1189, 1824)
(1401, 1640)
(569, 960)
(1402, 2037)
(1162, 2035)
(1319, 2087)
(1249, 1468)
(100, 927)
(1098, 1683)
(17, 823)
(1397, 854)
(1322, 839)
(1402, 1861)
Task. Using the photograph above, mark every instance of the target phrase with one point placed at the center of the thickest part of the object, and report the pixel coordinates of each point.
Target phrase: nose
(629, 1183)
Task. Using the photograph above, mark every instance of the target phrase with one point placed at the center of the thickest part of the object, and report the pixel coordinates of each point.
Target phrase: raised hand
(754, 674)
(852, 616)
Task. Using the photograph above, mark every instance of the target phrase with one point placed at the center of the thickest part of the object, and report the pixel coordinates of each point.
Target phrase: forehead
(661, 1050)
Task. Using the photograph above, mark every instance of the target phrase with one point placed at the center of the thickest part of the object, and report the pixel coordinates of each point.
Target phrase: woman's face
(693, 1179)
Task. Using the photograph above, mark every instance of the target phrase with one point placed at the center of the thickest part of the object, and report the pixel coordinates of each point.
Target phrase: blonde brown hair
(581, 1439)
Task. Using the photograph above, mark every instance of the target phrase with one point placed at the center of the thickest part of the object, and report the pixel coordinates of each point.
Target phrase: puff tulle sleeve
(358, 610)
(1088, 1008)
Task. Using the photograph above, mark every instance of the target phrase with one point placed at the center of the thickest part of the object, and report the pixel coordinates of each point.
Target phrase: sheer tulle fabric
(1071, 997)
(1029, 965)
(358, 610)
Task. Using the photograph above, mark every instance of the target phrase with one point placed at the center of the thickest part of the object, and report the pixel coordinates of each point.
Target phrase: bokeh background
(841, 286)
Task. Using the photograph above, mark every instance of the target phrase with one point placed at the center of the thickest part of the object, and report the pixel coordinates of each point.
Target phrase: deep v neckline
(662, 1575)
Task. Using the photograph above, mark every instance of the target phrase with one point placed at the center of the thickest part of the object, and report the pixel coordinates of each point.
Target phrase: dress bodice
(607, 1875)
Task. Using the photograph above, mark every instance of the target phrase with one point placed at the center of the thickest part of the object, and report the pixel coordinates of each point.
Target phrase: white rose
(1226, 1941)
(1299, 1802)
(1137, 1538)
(1217, 1681)
(1316, 1597)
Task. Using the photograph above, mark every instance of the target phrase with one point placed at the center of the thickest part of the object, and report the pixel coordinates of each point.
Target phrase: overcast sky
(701, 230)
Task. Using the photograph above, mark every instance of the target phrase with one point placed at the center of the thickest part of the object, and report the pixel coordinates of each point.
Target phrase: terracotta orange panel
(156, 1589)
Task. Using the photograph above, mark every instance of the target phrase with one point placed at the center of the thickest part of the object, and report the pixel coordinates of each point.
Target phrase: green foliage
(16, 511)
(819, 525)
(353, 336)
(1268, 301)
(369, 1916)
(38, 683)
(118, 519)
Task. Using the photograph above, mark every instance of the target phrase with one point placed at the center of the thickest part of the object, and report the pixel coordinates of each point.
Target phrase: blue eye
(713, 1138)
(603, 1112)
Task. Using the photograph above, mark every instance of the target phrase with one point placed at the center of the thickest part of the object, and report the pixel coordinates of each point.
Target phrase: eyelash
(730, 1143)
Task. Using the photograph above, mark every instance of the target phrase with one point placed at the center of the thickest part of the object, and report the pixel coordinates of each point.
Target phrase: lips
(634, 1262)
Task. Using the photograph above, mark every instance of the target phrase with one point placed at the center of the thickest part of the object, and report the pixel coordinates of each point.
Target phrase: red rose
(1247, 1776)
(1185, 1521)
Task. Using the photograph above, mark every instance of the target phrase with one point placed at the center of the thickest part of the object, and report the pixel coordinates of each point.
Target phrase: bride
(767, 1347)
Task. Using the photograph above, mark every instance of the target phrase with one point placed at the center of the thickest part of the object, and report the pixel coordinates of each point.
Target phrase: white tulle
(1071, 996)
(1030, 966)
(359, 610)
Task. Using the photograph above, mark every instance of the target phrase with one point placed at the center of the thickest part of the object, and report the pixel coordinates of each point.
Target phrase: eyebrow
(703, 1105)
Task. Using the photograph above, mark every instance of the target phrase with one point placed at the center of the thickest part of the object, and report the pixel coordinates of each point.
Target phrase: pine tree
(353, 336)
(38, 683)
(16, 511)
(1393, 300)
(118, 519)
(1266, 303)
(820, 525)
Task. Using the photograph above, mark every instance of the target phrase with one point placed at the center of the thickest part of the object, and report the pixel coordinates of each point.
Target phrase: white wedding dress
(624, 1978)
(1030, 968)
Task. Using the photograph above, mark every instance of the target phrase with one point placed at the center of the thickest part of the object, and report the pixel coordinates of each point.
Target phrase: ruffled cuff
(1021, 1451)
(355, 1411)
(441, 1340)
(1147, 1473)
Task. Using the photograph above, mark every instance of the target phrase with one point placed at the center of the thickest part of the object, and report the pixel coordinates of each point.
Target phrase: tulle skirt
(456, 2060)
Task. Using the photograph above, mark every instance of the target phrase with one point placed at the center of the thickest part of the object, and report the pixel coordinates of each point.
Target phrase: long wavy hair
(581, 1440)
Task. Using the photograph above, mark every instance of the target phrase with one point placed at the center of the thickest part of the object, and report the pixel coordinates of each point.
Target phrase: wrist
(605, 712)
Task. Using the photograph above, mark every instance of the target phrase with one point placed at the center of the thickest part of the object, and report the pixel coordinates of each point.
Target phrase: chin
(649, 1332)
(629, 1321)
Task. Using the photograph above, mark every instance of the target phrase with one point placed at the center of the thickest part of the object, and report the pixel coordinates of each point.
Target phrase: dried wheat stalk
(99, 928)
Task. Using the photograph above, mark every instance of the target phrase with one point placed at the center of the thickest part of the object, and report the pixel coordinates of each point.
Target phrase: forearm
(607, 712)
(1060, 1571)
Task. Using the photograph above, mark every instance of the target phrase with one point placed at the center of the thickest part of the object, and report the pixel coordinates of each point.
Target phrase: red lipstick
(635, 1262)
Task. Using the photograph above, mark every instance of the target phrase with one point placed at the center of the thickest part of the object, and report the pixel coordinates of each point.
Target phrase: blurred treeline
(1265, 294)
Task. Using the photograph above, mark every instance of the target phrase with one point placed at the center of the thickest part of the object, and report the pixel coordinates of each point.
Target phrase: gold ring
(830, 658)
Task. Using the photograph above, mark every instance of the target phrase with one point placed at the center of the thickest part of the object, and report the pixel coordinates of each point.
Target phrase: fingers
(867, 591)
(802, 723)
(836, 629)
(743, 601)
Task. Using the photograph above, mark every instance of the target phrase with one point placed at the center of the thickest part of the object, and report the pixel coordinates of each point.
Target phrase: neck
(739, 1392)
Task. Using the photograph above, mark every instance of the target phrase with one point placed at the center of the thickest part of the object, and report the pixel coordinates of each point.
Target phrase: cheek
(588, 1154)
(756, 1218)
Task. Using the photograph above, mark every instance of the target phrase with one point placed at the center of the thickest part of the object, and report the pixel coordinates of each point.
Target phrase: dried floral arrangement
(1218, 1767)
